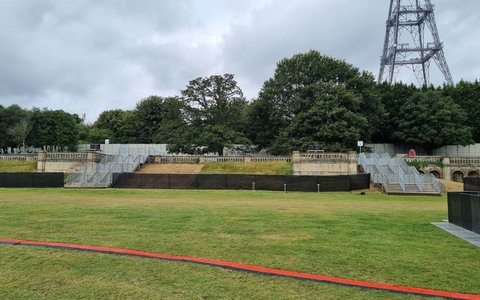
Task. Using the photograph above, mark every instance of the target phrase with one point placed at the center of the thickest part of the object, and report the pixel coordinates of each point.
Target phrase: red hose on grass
(250, 268)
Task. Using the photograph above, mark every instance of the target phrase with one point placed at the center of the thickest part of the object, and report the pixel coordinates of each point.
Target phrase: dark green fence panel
(471, 184)
(242, 182)
(334, 183)
(464, 210)
(270, 182)
(17, 180)
(455, 208)
(183, 181)
(211, 182)
(475, 205)
(359, 182)
(127, 180)
(301, 183)
(155, 181)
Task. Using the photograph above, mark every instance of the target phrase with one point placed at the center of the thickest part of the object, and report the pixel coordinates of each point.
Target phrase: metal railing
(394, 175)
(101, 174)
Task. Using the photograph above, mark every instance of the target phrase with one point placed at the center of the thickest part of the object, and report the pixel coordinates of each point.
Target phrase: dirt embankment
(451, 186)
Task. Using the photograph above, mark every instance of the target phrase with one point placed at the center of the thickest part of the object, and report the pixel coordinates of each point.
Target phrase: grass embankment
(18, 166)
(257, 168)
(374, 238)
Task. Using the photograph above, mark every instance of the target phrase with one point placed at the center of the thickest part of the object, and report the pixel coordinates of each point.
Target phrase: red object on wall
(412, 153)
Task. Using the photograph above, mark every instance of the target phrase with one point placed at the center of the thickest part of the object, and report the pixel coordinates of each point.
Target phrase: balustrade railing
(433, 159)
(201, 159)
(74, 156)
(19, 157)
(465, 161)
(330, 157)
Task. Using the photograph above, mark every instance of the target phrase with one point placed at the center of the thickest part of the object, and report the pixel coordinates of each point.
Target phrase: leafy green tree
(54, 128)
(467, 96)
(214, 109)
(432, 120)
(294, 90)
(173, 124)
(329, 119)
(10, 117)
(148, 118)
(3, 130)
(393, 98)
(262, 123)
(94, 135)
(120, 124)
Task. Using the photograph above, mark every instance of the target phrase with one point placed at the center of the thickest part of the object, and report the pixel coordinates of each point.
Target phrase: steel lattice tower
(412, 41)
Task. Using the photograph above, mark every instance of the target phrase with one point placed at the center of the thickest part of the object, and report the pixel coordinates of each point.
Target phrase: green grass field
(18, 166)
(375, 237)
(257, 168)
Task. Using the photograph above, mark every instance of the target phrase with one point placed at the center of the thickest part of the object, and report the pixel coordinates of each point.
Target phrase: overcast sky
(87, 56)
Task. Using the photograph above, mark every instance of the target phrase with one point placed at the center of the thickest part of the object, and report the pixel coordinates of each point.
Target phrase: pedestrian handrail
(101, 174)
(394, 175)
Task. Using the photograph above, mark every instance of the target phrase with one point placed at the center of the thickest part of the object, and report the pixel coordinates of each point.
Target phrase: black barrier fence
(31, 180)
(242, 182)
(464, 210)
(471, 184)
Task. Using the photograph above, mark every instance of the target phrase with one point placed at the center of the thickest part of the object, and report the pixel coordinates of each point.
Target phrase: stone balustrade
(432, 159)
(203, 159)
(19, 157)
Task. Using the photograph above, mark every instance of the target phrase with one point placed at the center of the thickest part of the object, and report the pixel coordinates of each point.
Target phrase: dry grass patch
(18, 166)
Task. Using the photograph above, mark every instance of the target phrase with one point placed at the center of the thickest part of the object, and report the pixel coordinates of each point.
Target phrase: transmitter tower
(412, 42)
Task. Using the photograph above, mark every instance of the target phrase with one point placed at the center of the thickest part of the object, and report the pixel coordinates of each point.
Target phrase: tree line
(311, 99)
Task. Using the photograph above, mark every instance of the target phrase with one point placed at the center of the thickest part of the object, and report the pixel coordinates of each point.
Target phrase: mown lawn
(18, 166)
(257, 168)
(375, 237)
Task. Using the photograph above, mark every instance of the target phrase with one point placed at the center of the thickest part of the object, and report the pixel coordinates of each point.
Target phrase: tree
(329, 120)
(120, 124)
(93, 135)
(54, 128)
(9, 117)
(294, 90)
(467, 96)
(432, 120)
(20, 131)
(173, 125)
(262, 123)
(3, 130)
(214, 111)
(393, 98)
(148, 118)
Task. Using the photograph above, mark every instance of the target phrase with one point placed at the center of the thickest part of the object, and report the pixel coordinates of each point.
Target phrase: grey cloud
(87, 56)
